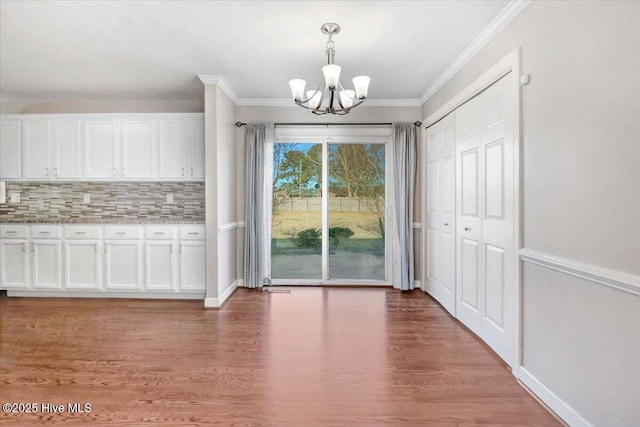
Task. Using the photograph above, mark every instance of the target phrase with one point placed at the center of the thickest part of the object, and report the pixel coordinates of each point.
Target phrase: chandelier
(340, 100)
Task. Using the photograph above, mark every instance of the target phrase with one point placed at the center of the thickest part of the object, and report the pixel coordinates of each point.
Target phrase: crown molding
(221, 82)
(248, 102)
(508, 13)
(265, 102)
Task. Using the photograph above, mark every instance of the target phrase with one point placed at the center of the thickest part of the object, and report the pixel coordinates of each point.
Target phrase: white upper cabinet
(196, 155)
(51, 149)
(10, 149)
(66, 152)
(101, 149)
(35, 149)
(139, 149)
(172, 144)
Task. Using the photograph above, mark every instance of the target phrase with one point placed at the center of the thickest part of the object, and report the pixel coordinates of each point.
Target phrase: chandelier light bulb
(297, 88)
(331, 74)
(361, 84)
(314, 97)
(346, 98)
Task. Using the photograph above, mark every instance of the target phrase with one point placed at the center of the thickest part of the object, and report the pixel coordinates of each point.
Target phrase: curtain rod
(416, 123)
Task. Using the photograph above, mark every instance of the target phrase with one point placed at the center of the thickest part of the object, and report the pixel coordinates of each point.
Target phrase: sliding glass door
(329, 208)
(357, 212)
(296, 218)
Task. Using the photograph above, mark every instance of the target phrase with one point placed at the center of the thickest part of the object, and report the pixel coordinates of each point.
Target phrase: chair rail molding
(625, 282)
(227, 227)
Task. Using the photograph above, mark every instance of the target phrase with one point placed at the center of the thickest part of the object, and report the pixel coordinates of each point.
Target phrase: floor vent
(277, 291)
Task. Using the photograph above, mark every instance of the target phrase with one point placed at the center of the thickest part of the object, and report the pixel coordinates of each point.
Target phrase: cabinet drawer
(46, 232)
(14, 231)
(163, 233)
(82, 232)
(195, 232)
(119, 232)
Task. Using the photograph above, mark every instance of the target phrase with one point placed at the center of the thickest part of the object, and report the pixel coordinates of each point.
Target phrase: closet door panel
(498, 220)
(494, 180)
(494, 285)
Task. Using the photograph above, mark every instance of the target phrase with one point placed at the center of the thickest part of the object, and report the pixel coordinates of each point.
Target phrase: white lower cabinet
(123, 265)
(160, 266)
(192, 266)
(14, 261)
(82, 264)
(115, 260)
(46, 258)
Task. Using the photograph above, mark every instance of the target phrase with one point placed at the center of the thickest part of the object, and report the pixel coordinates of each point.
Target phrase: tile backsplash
(110, 202)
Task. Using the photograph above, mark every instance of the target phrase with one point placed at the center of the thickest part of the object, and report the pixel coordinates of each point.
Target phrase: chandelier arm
(339, 94)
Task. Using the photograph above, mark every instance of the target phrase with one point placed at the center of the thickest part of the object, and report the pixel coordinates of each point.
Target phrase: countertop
(102, 222)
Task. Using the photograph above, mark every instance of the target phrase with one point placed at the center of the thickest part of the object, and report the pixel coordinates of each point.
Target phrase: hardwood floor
(312, 357)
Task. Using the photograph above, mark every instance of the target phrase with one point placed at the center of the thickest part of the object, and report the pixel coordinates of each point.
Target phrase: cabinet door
(139, 148)
(101, 148)
(14, 263)
(192, 266)
(46, 256)
(35, 149)
(82, 264)
(123, 265)
(66, 149)
(172, 148)
(196, 155)
(160, 266)
(10, 149)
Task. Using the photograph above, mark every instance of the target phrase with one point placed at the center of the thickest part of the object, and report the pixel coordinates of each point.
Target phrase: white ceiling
(71, 50)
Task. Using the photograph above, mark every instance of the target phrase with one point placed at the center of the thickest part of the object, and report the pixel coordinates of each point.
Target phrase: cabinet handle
(161, 233)
(192, 234)
(191, 172)
(182, 171)
(446, 224)
(46, 171)
(121, 232)
(467, 229)
(11, 232)
(55, 172)
(45, 232)
(115, 173)
(80, 232)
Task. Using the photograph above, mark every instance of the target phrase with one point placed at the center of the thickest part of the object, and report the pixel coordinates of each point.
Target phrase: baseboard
(552, 400)
(219, 302)
(104, 294)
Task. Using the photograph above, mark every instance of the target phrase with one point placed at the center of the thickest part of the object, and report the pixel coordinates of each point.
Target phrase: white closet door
(485, 217)
(469, 232)
(441, 213)
(498, 219)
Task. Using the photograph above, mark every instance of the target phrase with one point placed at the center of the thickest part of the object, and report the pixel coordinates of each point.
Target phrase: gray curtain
(404, 177)
(257, 237)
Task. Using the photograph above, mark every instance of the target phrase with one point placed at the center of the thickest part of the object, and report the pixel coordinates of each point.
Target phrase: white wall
(227, 191)
(220, 194)
(581, 151)
(295, 114)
